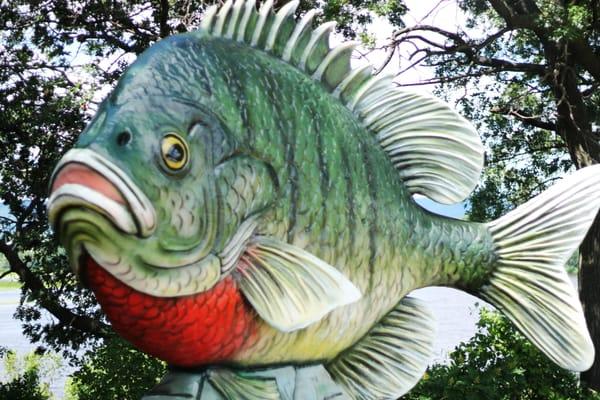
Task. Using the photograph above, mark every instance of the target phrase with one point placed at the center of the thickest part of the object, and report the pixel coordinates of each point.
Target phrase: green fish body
(247, 162)
(340, 198)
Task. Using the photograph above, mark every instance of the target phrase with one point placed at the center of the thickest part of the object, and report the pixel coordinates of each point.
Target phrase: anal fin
(392, 357)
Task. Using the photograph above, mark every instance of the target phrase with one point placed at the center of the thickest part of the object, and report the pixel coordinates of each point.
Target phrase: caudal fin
(530, 284)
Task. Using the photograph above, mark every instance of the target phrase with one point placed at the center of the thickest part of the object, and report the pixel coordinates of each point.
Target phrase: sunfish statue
(242, 207)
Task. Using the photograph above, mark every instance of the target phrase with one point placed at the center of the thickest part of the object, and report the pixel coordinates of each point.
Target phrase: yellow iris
(174, 152)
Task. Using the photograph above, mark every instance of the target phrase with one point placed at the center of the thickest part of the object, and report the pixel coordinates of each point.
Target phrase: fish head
(136, 194)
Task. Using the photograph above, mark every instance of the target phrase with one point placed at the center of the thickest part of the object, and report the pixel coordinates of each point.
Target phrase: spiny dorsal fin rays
(303, 26)
(282, 16)
(337, 60)
(248, 12)
(263, 14)
(209, 17)
(222, 18)
(235, 17)
(318, 45)
(436, 151)
(351, 82)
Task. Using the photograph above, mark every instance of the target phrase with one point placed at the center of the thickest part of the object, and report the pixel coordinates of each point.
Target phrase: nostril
(123, 138)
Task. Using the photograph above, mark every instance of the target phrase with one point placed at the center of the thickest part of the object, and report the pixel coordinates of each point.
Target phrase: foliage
(498, 363)
(23, 376)
(115, 371)
(523, 129)
(353, 16)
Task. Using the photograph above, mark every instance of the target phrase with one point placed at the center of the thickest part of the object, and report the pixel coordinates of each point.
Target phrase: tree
(498, 363)
(105, 374)
(529, 72)
(56, 57)
(27, 377)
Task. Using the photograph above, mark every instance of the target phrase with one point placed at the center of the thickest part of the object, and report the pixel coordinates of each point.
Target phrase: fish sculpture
(242, 206)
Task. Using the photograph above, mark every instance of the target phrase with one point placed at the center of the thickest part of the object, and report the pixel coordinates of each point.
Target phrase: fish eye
(174, 152)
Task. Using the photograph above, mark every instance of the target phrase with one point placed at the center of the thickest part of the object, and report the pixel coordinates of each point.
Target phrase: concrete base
(292, 382)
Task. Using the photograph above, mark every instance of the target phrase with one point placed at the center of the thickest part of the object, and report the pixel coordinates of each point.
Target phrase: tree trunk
(575, 127)
(589, 293)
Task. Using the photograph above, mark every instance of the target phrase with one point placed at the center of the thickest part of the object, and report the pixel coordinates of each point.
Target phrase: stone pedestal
(311, 382)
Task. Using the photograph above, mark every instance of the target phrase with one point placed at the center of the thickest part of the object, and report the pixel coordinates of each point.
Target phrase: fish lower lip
(77, 185)
(81, 196)
(83, 178)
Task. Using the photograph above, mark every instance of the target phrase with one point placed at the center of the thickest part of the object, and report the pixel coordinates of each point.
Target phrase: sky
(444, 14)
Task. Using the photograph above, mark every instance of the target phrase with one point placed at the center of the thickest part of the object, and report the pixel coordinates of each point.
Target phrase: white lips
(138, 218)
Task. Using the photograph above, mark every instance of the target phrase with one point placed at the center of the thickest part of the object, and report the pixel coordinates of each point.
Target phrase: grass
(9, 285)
(8, 282)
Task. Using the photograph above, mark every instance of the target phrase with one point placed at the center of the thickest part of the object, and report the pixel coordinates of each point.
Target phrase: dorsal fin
(436, 151)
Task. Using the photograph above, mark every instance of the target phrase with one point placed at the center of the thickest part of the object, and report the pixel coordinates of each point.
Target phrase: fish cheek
(189, 213)
(183, 218)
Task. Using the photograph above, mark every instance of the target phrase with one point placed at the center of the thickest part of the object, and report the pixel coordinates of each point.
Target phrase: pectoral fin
(290, 288)
(391, 358)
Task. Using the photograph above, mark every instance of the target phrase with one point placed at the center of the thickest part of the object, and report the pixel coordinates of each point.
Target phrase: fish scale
(371, 190)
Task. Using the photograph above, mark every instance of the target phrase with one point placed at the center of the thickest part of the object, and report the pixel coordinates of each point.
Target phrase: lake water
(455, 312)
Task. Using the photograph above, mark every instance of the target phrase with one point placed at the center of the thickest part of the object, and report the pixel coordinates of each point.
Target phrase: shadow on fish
(242, 207)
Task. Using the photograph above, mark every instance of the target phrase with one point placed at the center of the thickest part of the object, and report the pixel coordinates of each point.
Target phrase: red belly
(209, 327)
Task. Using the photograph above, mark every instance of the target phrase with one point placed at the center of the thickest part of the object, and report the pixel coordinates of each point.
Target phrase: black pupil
(175, 153)
(123, 138)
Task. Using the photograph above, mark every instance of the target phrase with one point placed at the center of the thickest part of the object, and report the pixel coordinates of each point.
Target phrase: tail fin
(530, 284)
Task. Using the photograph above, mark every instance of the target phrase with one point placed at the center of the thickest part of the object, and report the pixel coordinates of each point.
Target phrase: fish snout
(85, 179)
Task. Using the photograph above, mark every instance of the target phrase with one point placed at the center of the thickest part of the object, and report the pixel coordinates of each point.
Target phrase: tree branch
(388, 58)
(33, 284)
(586, 57)
(5, 274)
(511, 157)
(507, 65)
(531, 120)
(527, 18)
(435, 81)
(524, 19)
(111, 40)
(468, 48)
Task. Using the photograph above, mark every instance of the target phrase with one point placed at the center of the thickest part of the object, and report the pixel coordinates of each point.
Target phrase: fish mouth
(85, 184)
(85, 179)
